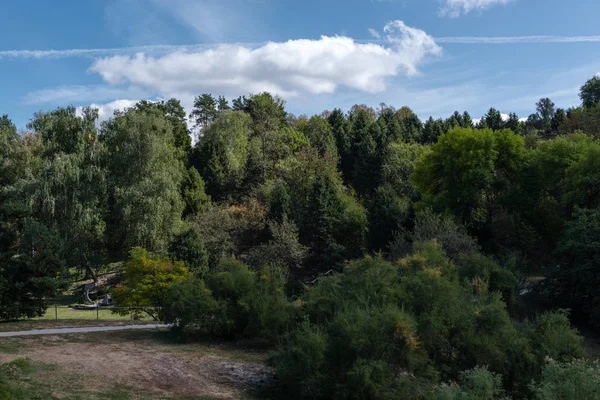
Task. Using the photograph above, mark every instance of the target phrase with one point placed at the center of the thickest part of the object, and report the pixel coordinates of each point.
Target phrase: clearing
(135, 365)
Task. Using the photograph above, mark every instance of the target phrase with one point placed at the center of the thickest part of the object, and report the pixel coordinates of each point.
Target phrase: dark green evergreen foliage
(575, 281)
(31, 273)
(492, 120)
(279, 204)
(387, 212)
(188, 247)
(590, 93)
(194, 196)
(334, 227)
(340, 127)
(432, 130)
(206, 109)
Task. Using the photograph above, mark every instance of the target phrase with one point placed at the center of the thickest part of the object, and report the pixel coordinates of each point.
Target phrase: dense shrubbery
(379, 329)
(231, 301)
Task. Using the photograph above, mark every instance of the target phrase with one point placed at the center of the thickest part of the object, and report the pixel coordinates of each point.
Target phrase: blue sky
(435, 56)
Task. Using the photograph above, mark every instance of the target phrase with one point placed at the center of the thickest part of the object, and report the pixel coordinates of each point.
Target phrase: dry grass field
(132, 365)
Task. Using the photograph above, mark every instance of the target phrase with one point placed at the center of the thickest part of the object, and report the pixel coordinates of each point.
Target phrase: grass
(102, 314)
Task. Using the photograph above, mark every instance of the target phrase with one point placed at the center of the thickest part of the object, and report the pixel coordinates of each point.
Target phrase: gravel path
(81, 330)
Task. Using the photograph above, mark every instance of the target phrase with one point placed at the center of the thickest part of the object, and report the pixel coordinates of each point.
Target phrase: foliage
(466, 170)
(188, 247)
(145, 281)
(590, 92)
(428, 226)
(31, 274)
(475, 384)
(575, 282)
(575, 380)
(145, 177)
(231, 301)
(221, 153)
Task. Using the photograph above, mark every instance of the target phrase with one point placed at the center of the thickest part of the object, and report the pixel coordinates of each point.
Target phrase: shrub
(576, 380)
(145, 282)
(231, 301)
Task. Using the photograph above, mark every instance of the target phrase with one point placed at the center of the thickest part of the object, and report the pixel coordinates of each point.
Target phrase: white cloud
(455, 8)
(105, 111)
(287, 68)
(374, 33)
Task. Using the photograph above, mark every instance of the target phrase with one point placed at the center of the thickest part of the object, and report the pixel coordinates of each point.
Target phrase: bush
(231, 301)
(145, 281)
(475, 384)
(576, 380)
(193, 310)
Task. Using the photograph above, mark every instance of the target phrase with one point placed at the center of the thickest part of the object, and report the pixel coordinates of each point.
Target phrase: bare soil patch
(141, 360)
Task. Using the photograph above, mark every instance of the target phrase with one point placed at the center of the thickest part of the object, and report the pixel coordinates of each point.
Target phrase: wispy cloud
(455, 8)
(165, 49)
(80, 94)
(516, 39)
(374, 33)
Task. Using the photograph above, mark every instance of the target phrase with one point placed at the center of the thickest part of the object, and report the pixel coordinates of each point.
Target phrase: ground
(136, 365)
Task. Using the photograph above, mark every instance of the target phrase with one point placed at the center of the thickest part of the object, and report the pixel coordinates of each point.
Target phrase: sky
(435, 56)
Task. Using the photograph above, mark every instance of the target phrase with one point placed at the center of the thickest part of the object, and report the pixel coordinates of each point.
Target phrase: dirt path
(87, 329)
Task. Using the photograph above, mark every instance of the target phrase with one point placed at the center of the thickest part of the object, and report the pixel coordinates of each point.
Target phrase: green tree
(590, 92)
(145, 281)
(575, 380)
(195, 199)
(468, 170)
(70, 194)
(145, 177)
(432, 130)
(205, 110)
(493, 120)
(221, 153)
(175, 114)
(188, 246)
(387, 212)
(575, 284)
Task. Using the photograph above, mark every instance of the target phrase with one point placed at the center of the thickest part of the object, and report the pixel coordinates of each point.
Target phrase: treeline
(386, 255)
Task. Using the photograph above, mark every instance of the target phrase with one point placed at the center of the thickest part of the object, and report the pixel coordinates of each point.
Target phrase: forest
(381, 256)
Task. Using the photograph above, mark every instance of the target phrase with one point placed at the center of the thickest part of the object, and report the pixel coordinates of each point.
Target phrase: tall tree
(175, 114)
(204, 111)
(71, 191)
(493, 120)
(590, 92)
(467, 170)
(221, 153)
(145, 176)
